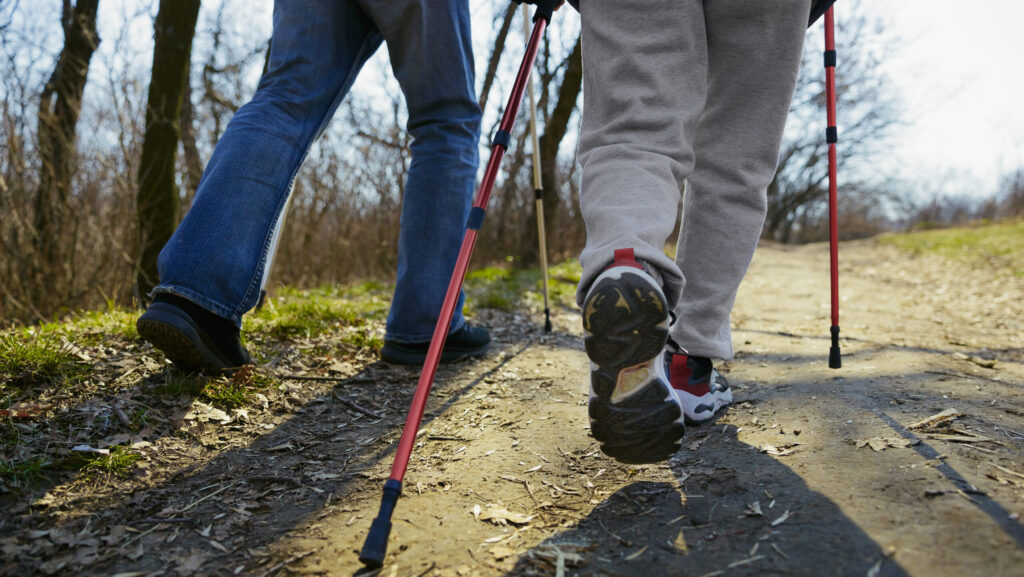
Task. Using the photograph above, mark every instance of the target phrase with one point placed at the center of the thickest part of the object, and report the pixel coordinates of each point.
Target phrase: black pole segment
(830, 58)
(831, 135)
(547, 320)
(835, 360)
(476, 218)
(538, 193)
(376, 545)
(545, 8)
(502, 138)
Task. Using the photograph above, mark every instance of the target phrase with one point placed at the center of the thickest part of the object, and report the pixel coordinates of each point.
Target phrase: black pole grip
(545, 9)
(376, 545)
(835, 361)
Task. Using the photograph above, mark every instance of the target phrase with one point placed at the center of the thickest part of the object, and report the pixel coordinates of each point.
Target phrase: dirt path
(812, 471)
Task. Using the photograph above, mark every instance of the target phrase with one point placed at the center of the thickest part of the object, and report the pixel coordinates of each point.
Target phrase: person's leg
(644, 66)
(431, 54)
(644, 92)
(753, 58)
(217, 256)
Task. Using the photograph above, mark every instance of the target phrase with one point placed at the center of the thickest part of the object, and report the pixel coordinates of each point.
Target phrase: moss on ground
(506, 288)
(1001, 243)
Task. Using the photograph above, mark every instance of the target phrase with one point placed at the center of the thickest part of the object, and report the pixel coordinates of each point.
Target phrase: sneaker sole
(633, 411)
(698, 410)
(177, 337)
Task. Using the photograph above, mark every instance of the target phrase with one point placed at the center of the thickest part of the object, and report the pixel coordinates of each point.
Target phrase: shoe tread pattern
(625, 320)
(170, 335)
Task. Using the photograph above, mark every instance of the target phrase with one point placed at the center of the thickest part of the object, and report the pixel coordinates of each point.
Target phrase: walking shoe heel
(633, 412)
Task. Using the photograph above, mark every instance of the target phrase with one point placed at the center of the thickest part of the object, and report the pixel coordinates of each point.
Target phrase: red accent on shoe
(625, 257)
(679, 376)
(678, 372)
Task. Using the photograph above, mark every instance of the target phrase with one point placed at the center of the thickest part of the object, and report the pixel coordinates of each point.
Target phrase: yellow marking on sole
(629, 380)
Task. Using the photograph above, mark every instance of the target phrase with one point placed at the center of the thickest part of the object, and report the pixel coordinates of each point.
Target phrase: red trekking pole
(831, 137)
(375, 546)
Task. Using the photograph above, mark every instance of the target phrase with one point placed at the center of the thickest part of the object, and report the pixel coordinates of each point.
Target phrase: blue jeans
(218, 256)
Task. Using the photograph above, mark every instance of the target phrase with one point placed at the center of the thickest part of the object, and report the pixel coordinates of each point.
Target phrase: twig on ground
(151, 520)
(526, 484)
(356, 407)
(345, 380)
(484, 563)
(274, 479)
(193, 505)
(616, 537)
(121, 416)
(288, 561)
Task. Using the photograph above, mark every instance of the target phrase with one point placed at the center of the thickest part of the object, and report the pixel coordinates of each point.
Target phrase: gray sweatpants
(685, 91)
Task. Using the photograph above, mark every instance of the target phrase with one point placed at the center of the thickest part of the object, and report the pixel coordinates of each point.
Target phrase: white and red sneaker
(633, 411)
(700, 389)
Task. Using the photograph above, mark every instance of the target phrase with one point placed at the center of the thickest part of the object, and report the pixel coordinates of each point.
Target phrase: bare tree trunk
(157, 204)
(554, 131)
(193, 160)
(59, 108)
(499, 47)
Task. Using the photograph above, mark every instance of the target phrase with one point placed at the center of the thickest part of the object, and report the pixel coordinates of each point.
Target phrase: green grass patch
(222, 392)
(309, 313)
(36, 357)
(89, 328)
(1000, 244)
(118, 463)
(115, 321)
(178, 383)
(509, 288)
(25, 473)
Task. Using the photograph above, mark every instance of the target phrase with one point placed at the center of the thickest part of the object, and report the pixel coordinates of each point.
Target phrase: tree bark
(59, 107)
(157, 205)
(189, 145)
(499, 47)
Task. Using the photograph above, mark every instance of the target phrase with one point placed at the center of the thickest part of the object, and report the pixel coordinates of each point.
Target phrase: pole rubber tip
(376, 545)
(375, 548)
(547, 321)
(835, 359)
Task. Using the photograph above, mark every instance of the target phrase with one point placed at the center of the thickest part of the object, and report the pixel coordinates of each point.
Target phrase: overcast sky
(959, 70)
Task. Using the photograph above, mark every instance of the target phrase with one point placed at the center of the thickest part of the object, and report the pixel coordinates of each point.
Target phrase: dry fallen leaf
(781, 519)
(882, 443)
(754, 509)
(499, 515)
(500, 552)
(779, 451)
(632, 556)
(189, 565)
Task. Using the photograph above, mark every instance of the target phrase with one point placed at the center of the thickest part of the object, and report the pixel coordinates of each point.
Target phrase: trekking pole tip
(376, 545)
(835, 360)
(547, 321)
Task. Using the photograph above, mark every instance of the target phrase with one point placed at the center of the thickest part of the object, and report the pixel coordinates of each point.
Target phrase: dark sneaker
(633, 411)
(701, 389)
(191, 337)
(464, 343)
